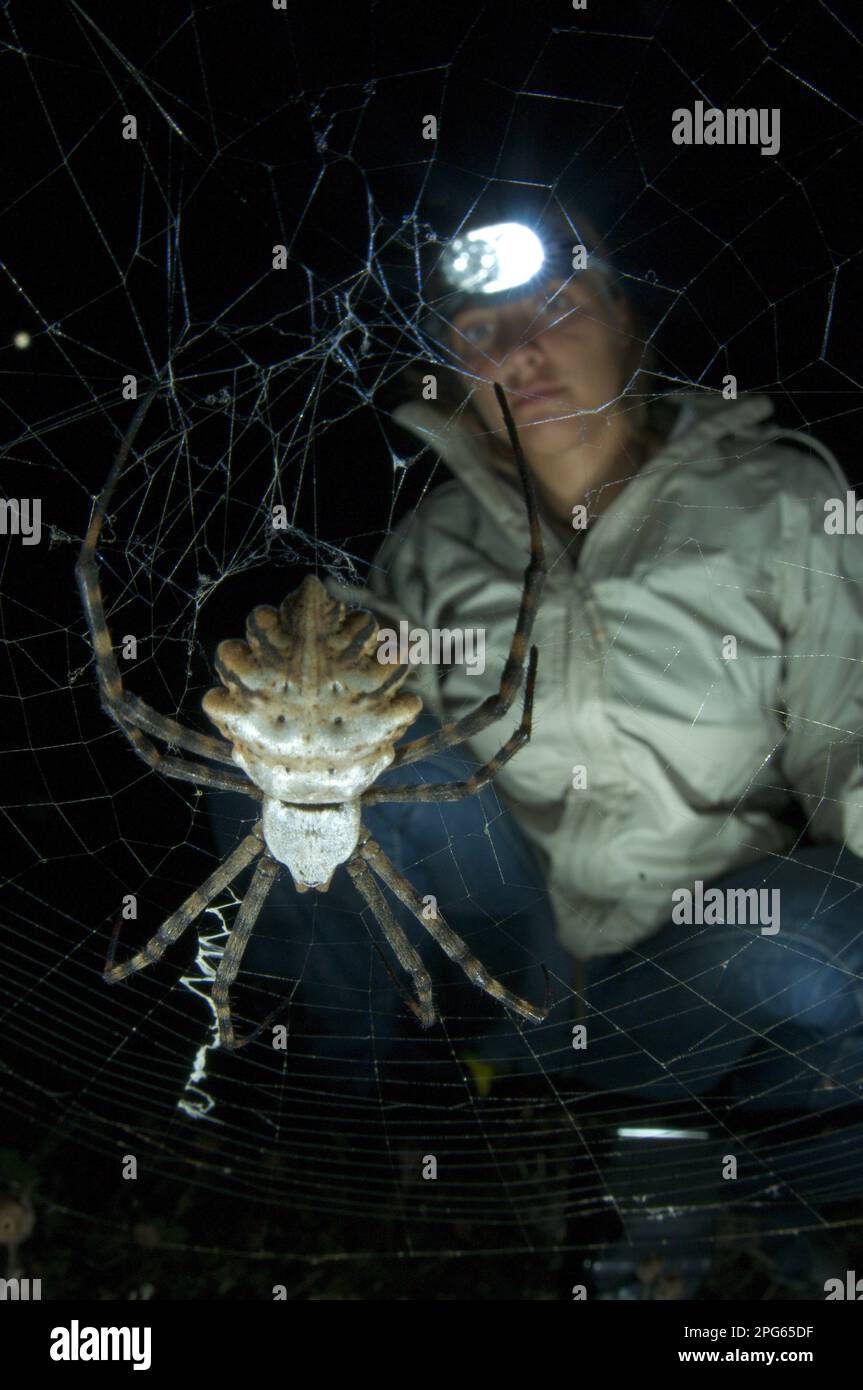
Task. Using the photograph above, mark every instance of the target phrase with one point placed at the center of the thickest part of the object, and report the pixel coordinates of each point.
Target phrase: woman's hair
(555, 225)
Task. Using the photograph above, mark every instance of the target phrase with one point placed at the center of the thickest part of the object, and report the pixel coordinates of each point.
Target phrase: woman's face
(557, 352)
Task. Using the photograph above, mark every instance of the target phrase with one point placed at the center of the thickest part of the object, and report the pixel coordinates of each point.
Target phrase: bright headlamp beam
(492, 259)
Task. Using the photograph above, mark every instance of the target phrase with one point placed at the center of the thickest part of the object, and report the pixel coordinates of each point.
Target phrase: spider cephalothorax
(313, 718)
(310, 719)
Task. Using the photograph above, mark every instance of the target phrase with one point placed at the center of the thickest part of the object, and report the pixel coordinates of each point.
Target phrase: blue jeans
(680, 1011)
(778, 1019)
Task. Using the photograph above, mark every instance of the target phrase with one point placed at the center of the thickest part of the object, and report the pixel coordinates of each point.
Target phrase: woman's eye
(558, 306)
(477, 333)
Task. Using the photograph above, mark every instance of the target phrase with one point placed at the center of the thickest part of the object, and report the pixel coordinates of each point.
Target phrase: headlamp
(506, 259)
(492, 259)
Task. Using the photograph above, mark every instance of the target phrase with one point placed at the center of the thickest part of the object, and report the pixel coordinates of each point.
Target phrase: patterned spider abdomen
(313, 718)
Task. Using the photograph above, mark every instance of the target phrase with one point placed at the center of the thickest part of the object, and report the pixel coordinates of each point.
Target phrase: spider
(311, 718)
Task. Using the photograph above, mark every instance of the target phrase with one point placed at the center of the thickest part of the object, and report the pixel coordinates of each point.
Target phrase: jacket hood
(692, 422)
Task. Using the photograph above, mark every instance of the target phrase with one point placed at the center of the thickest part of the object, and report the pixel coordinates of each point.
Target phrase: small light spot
(22, 340)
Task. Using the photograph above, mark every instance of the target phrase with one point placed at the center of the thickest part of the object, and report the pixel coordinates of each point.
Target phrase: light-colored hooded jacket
(699, 662)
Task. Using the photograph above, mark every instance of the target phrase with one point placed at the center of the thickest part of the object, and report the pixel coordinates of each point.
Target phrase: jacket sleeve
(820, 586)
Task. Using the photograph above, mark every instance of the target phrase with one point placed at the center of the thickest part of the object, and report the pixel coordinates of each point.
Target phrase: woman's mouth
(537, 395)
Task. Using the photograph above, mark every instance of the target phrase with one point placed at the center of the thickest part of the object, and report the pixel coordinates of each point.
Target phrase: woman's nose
(519, 344)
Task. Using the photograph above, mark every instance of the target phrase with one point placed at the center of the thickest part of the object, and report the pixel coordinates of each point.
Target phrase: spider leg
(196, 773)
(265, 875)
(455, 791)
(404, 952)
(448, 940)
(162, 726)
(172, 929)
(496, 705)
(400, 988)
(128, 711)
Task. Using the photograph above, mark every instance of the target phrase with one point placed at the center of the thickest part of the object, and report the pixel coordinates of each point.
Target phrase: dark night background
(304, 128)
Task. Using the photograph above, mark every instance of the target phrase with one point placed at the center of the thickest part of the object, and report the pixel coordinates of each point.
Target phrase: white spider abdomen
(311, 841)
